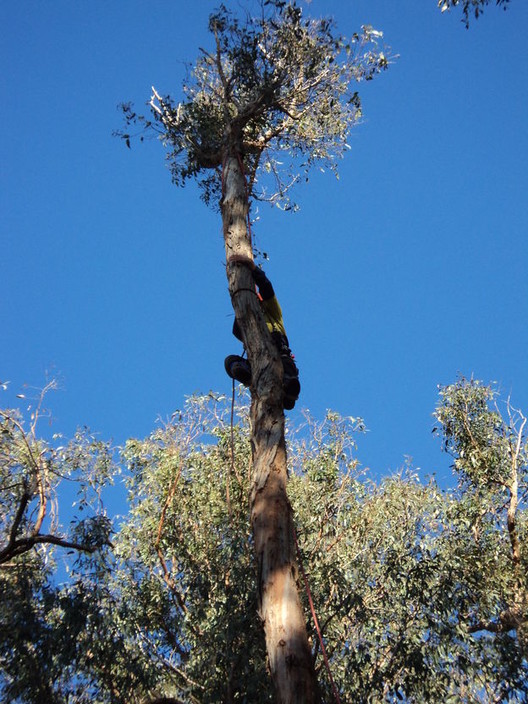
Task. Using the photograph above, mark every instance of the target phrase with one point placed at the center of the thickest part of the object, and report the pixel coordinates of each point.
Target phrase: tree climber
(239, 368)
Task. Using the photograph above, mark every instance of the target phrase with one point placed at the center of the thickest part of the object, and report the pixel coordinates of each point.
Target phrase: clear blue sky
(409, 270)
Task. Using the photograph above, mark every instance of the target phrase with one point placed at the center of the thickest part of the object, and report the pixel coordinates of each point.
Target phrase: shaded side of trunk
(281, 612)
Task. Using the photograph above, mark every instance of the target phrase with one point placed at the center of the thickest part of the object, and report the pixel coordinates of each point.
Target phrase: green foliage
(408, 598)
(470, 7)
(482, 443)
(187, 556)
(417, 590)
(36, 645)
(31, 471)
(490, 454)
(273, 86)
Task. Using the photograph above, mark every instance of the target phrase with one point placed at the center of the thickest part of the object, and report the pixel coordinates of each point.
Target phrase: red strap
(315, 619)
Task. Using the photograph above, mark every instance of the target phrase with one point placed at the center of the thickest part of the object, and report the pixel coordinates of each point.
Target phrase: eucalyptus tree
(490, 454)
(39, 622)
(274, 95)
(420, 593)
(31, 472)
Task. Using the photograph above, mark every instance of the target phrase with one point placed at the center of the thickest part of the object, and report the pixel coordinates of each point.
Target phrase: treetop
(274, 85)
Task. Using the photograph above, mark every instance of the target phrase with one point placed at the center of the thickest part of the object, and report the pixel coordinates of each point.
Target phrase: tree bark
(287, 645)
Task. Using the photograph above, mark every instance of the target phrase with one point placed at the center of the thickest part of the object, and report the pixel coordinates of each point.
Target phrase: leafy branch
(29, 474)
(273, 85)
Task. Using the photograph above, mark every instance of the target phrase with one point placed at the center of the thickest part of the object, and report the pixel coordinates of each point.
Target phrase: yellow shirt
(273, 315)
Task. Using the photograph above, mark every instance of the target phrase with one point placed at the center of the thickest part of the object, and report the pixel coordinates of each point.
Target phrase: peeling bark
(287, 645)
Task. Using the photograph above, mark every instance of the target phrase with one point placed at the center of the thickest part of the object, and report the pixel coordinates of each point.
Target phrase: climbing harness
(238, 290)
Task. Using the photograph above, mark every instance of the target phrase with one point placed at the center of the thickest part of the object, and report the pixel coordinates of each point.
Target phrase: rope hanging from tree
(314, 616)
(299, 558)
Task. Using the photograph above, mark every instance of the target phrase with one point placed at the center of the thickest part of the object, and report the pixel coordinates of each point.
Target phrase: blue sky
(409, 270)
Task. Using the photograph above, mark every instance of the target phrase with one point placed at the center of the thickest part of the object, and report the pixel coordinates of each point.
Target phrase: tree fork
(287, 645)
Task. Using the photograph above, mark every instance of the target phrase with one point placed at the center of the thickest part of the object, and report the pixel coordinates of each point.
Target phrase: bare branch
(228, 95)
(23, 545)
(510, 619)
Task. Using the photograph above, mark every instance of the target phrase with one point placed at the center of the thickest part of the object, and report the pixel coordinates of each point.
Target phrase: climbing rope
(314, 616)
(231, 466)
(250, 290)
(232, 469)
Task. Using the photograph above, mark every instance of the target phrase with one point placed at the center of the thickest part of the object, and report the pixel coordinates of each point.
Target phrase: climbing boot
(238, 368)
(290, 377)
(291, 386)
(288, 403)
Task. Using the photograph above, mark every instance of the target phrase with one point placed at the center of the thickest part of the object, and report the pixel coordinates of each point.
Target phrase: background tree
(491, 460)
(30, 473)
(416, 590)
(40, 623)
(271, 85)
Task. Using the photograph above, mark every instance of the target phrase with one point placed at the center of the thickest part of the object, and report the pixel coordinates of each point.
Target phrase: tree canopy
(280, 86)
(421, 593)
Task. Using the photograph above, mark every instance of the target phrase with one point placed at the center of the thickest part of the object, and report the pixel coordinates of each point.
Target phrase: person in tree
(238, 367)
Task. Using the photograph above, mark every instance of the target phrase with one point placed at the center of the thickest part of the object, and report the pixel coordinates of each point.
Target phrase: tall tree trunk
(287, 643)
